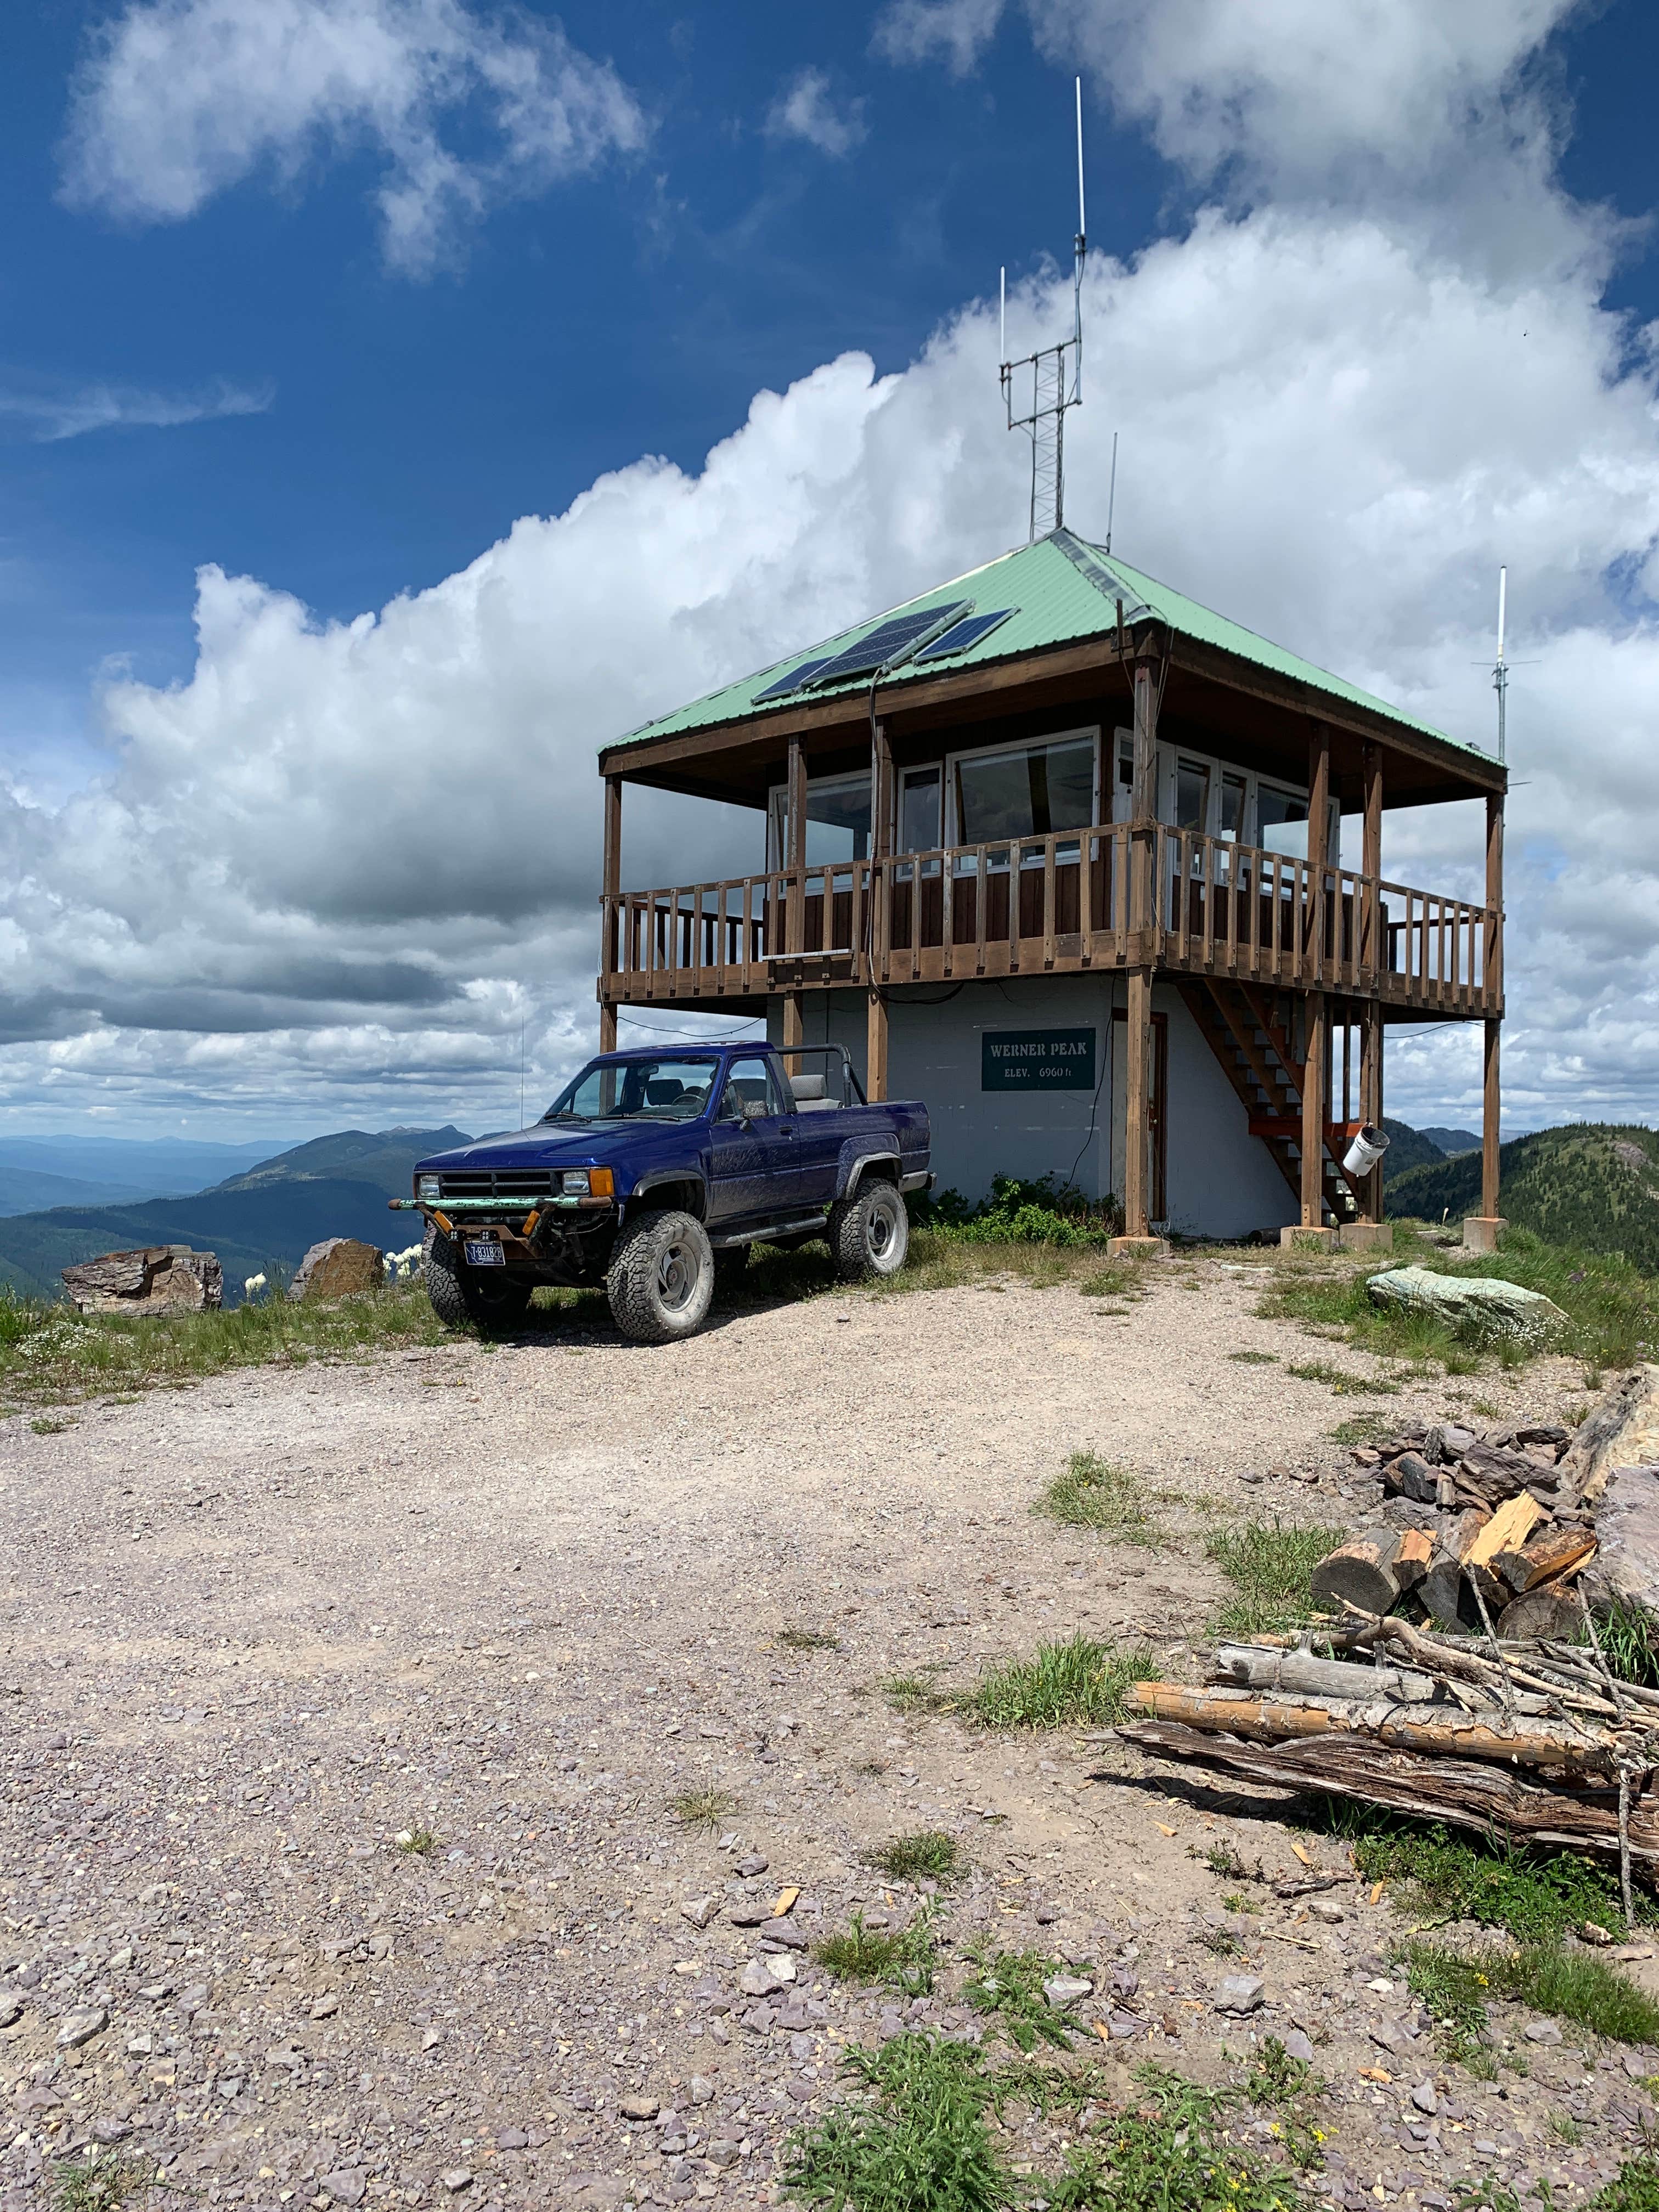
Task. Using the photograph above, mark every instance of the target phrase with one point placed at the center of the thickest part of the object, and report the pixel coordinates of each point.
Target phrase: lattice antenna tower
(1056, 381)
(1500, 674)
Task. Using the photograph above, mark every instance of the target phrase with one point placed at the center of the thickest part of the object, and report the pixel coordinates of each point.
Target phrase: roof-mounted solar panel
(793, 681)
(961, 635)
(889, 641)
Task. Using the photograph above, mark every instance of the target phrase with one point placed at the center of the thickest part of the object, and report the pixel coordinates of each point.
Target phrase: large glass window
(636, 1089)
(1281, 822)
(1192, 795)
(921, 794)
(838, 821)
(1233, 808)
(1026, 794)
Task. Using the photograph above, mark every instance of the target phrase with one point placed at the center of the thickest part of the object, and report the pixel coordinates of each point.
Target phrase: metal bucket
(1366, 1150)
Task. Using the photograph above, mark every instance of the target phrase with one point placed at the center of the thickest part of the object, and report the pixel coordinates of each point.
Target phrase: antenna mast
(1051, 392)
(1500, 675)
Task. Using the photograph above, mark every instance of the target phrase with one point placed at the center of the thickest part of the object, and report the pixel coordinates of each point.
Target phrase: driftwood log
(1515, 1739)
(1469, 1793)
(1253, 1668)
(1621, 1429)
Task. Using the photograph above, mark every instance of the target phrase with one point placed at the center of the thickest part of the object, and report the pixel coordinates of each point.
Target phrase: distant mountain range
(260, 1221)
(1593, 1184)
(39, 1171)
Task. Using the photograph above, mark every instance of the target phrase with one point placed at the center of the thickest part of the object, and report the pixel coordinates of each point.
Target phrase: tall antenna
(1051, 394)
(1111, 494)
(1500, 675)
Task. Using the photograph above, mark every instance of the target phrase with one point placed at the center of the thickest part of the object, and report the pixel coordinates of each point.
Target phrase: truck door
(748, 1148)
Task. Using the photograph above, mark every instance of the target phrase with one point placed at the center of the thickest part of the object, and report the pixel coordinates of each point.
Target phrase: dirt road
(511, 1603)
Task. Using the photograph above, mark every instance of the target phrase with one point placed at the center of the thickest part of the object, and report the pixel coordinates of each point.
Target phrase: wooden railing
(1108, 897)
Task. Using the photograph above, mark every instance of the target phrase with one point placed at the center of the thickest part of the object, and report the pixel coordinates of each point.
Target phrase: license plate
(482, 1255)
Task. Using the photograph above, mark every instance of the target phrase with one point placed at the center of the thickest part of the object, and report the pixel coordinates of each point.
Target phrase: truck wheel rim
(677, 1277)
(881, 1229)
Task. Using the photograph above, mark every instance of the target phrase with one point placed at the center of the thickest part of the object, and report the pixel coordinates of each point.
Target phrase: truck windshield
(636, 1090)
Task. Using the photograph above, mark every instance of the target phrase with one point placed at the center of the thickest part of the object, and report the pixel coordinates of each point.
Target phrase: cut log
(1551, 1553)
(1414, 1557)
(1511, 1525)
(1360, 1572)
(1626, 1566)
(1621, 1429)
(1439, 1730)
(1545, 1611)
(1251, 1667)
(1468, 1793)
(1441, 1588)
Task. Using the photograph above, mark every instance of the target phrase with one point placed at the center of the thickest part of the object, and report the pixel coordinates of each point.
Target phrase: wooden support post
(1319, 803)
(1370, 1098)
(1372, 952)
(794, 924)
(1142, 902)
(878, 906)
(1137, 1078)
(1480, 1233)
(1313, 1115)
(610, 904)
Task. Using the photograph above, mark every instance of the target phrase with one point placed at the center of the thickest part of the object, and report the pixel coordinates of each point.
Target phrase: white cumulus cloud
(176, 100)
(805, 109)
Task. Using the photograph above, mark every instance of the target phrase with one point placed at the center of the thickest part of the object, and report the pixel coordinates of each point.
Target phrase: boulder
(1493, 1307)
(161, 1279)
(337, 1269)
(1626, 1563)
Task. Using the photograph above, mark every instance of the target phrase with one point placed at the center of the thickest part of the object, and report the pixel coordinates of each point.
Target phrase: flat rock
(699, 1910)
(78, 2027)
(1064, 1990)
(1297, 2046)
(1239, 1994)
(1425, 2100)
(345, 2185)
(1498, 1308)
(1542, 2030)
(155, 1278)
(640, 2108)
(338, 1267)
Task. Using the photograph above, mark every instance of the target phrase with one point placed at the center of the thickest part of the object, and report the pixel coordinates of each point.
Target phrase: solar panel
(889, 640)
(793, 681)
(961, 635)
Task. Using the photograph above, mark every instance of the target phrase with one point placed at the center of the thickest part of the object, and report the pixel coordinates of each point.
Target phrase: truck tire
(869, 1232)
(661, 1278)
(459, 1294)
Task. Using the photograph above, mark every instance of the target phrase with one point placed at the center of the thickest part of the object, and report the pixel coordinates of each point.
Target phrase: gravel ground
(520, 1599)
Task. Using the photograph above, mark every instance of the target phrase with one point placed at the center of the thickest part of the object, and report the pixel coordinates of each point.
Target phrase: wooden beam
(1313, 1115)
(1137, 1076)
(880, 907)
(1319, 800)
(1493, 965)
(1371, 1099)
(607, 1026)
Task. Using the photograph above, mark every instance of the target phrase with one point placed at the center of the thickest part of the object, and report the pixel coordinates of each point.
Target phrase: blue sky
(299, 405)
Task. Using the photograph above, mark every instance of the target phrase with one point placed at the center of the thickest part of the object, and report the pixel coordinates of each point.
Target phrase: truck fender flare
(685, 1179)
(853, 1166)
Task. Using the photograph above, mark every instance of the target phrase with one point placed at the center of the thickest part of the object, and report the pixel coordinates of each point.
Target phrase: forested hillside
(1593, 1184)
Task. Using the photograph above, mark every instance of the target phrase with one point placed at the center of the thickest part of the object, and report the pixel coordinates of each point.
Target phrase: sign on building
(1037, 1060)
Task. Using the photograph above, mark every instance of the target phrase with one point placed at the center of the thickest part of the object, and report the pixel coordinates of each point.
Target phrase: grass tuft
(1456, 1987)
(903, 1957)
(1080, 1681)
(914, 1694)
(1092, 1493)
(809, 1639)
(1170, 2149)
(1008, 1988)
(1626, 1636)
(1634, 2188)
(921, 1854)
(417, 1842)
(701, 1809)
(1535, 1898)
(97, 2181)
(1268, 1564)
(1338, 1379)
(921, 2143)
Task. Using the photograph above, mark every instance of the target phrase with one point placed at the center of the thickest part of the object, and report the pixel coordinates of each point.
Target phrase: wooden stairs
(1241, 1025)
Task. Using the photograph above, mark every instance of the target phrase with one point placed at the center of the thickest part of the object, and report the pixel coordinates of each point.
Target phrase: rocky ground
(512, 1602)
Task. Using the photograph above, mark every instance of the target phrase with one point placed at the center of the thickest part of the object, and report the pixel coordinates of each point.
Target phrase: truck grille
(509, 1184)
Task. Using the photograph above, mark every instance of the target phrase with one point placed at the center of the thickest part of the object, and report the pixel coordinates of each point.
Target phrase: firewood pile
(1453, 1669)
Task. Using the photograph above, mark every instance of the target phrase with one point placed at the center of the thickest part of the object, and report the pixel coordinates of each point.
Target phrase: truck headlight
(428, 1189)
(575, 1182)
(589, 1183)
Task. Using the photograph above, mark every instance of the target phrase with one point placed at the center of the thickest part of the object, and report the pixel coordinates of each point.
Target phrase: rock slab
(338, 1267)
(1498, 1308)
(161, 1278)
(1626, 1563)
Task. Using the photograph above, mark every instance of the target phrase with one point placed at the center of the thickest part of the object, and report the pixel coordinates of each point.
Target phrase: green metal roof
(1063, 589)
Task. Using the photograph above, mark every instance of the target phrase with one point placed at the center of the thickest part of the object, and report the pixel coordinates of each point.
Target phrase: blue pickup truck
(653, 1172)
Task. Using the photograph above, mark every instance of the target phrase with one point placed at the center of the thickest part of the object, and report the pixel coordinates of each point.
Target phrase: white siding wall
(1221, 1181)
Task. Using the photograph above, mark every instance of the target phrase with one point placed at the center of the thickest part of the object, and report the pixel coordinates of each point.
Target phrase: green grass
(51, 1355)
(1534, 1898)
(903, 1957)
(920, 2142)
(1456, 1987)
(1255, 1359)
(1634, 2188)
(1170, 2152)
(701, 1809)
(1626, 1634)
(1362, 1429)
(1344, 1384)
(1268, 1564)
(417, 1842)
(809, 1639)
(1093, 1493)
(1612, 1308)
(914, 1693)
(1007, 1989)
(97, 2181)
(1078, 1682)
(920, 1855)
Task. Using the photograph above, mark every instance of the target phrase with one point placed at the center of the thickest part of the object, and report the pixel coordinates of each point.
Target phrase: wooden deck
(1113, 898)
